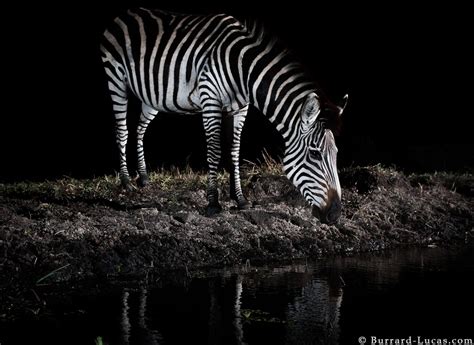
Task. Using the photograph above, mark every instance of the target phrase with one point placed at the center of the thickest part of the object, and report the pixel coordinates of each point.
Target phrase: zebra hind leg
(121, 134)
(117, 85)
(212, 126)
(235, 183)
(147, 115)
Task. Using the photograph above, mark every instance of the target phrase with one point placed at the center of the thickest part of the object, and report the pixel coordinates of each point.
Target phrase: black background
(407, 71)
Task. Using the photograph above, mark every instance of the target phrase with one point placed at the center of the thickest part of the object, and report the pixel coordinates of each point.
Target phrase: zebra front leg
(235, 184)
(147, 115)
(212, 126)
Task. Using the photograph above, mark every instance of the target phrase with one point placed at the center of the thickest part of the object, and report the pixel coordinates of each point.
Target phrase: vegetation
(108, 187)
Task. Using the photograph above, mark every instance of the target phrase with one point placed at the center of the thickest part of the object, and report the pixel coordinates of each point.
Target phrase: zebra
(217, 66)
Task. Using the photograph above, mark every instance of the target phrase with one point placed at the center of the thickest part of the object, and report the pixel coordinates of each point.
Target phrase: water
(396, 294)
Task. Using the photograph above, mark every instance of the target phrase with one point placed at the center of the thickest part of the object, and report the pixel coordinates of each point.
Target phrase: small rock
(184, 217)
(152, 211)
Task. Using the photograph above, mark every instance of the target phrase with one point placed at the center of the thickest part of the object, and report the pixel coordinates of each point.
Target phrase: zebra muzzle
(330, 214)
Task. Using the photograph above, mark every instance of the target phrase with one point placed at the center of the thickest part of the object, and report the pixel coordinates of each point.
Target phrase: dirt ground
(68, 230)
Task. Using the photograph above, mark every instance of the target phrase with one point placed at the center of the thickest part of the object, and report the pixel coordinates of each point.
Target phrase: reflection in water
(137, 318)
(330, 301)
(310, 316)
(239, 333)
(313, 318)
(215, 317)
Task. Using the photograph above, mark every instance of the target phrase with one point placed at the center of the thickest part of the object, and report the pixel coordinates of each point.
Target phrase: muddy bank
(69, 229)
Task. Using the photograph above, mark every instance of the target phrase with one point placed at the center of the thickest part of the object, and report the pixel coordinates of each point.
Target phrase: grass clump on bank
(108, 186)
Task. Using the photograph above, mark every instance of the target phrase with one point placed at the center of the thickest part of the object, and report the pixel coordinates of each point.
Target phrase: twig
(143, 220)
(51, 273)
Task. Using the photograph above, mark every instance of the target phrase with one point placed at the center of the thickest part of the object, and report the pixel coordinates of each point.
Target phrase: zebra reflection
(133, 321)
(225, 303)
(313, 317)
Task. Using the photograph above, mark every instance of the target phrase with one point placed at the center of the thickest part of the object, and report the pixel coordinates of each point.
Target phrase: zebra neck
(277, 86)
(279, 93)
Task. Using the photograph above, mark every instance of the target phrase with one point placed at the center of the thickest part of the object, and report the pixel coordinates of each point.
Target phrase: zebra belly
(182, 102)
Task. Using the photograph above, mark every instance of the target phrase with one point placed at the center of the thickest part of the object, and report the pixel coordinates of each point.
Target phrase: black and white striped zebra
(217, 66)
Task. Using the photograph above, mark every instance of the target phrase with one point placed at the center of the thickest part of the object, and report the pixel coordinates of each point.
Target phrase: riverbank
(68, 230)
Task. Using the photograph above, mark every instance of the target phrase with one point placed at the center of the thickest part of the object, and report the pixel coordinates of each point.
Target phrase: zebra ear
(310, 111)
(343, 104)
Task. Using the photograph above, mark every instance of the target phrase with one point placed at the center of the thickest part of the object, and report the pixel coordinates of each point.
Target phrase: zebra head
(311, 162)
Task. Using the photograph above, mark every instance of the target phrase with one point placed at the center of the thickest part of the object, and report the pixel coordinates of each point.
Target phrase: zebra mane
(257, 31)
(330, 113)
(254, 27)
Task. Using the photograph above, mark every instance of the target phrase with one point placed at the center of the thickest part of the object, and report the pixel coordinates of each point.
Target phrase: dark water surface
(396, 294)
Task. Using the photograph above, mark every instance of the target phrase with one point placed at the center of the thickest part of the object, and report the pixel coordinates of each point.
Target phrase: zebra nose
(334, 211)
(329, 215)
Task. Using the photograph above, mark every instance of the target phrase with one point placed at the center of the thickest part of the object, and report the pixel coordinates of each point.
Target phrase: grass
(108, 187)
(268, 166)
(64, 188)
(168, 179)
(176, 179)
(462, 183)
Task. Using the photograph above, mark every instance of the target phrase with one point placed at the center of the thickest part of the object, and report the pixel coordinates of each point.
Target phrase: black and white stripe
(217, 66)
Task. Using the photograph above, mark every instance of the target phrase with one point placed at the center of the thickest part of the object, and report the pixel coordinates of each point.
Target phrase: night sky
(406, 71)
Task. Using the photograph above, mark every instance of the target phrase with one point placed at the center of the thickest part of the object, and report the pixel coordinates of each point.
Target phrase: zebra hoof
(126, 184)
(212, 210)
(142, 180)
(243, 205)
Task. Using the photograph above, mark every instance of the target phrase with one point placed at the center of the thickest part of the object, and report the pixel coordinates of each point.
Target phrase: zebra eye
(315, 154)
